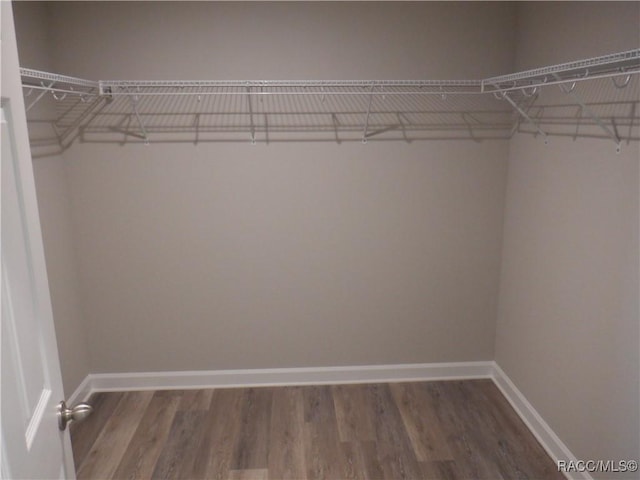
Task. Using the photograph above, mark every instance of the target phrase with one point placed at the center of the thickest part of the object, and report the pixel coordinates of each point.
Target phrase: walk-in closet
(323, 240)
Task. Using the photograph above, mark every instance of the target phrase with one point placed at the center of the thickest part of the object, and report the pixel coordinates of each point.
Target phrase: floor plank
(149, 438)
(518, 452)
(254, 474)
(394, 451)
(253, 440)
(351, 458)
(461, 421)
(423, 428)
(440, 470)
(420, 430)
(177, 458)
(84, 433)
(222, 427)
(323, 457)
(107, 451)
(196, 400)
(354, 414)
(286, 451)
(361, 461)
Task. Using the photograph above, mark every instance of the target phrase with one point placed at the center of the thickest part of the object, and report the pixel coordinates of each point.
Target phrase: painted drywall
(549, 33)
(294, 254)
(240, 257)
(568, 323)
(283, 40)
(32, 22)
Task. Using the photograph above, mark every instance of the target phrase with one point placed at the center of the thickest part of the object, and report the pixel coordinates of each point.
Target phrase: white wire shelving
(606, 66)
(597, 97)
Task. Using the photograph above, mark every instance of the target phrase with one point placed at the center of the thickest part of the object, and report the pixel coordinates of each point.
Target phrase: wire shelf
(284, 87)
(29, 75)
(122, 111)
(616, 63)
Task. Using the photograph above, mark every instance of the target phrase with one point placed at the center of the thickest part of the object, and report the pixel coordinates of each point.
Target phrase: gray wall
(568, 328)
(286, 255)
(283, 40)
(32, 30)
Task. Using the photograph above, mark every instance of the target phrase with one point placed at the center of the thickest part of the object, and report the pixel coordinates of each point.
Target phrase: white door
(31, 385)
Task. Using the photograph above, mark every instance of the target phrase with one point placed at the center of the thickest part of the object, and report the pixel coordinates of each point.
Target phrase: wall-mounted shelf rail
(597, 97)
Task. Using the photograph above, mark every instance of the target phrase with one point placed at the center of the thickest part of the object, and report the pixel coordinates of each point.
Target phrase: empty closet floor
(445, 429)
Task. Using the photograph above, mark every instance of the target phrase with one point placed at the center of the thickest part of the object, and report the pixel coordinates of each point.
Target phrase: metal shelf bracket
(134, 104)
(576, 98)
(251, 124)
(40, 95)
(366, 119)
(524, 115)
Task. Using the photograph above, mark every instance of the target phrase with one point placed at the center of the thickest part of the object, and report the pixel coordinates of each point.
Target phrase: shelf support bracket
(403, 127)
(632, 116)
(252, 125)
(40, 95)
(336, 125)
(525, 115)
(366, 119)
(469, 128)
(134, 104)
(576, 98)
(578, 122)
(516, 125)
(92, 110)
(126, 129)
(615, 127)
(196, 124)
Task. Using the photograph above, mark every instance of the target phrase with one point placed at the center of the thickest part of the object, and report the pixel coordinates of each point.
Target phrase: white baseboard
(287, 376)
(82, 393)
(556, 449)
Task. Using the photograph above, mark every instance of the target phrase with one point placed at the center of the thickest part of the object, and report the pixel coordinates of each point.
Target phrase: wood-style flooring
(428, 430)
